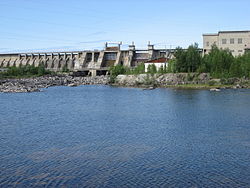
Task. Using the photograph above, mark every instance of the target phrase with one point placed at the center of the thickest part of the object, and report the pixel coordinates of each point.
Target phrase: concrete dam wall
(90, 62)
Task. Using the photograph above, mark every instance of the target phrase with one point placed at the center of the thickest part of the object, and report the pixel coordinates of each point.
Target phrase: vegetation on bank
(198, 86)
(219, 63)
(140, 69)
(119, 69)
(25, 71)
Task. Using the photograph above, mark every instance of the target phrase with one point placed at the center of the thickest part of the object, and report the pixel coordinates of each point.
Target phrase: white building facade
(158, 63)
(236, 41)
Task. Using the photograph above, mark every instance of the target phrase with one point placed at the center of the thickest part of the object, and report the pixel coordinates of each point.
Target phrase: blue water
(99, 136)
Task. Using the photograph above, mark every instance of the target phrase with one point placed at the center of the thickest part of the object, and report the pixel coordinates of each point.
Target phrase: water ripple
(97, 136)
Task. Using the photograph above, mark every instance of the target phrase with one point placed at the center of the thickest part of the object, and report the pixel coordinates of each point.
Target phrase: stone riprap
(191, 80)
(163, 79)
(142, 80)
(35, 84)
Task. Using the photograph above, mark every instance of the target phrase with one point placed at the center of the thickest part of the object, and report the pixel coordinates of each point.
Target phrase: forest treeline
(220, 63)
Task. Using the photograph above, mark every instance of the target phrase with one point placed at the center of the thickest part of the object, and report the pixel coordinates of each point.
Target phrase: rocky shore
(175, 80)
(180, 80)
(35, 84)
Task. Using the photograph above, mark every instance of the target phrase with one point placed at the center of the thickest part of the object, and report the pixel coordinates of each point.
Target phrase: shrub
(212, 83)
(190, 77)
(115, 71)
(149, 80)
(152, 69)
(140, 69)
(25, 71)
(65, 69)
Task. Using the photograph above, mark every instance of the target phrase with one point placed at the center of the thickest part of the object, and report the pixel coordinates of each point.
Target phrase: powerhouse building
(236, 41)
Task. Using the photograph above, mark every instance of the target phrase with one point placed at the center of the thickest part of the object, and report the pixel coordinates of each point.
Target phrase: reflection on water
(98, 136)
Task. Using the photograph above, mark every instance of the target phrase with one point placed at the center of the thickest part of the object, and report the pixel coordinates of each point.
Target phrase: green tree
(152, 69)
(115, 71)
(171, 66)
(41, 70)
(193, 58)
(187, 60)
(180, 63)
(241, 65)
(140, 69)
(218, 62)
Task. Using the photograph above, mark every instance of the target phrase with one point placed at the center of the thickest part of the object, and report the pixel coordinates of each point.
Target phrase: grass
(198, 86)
(27, 71)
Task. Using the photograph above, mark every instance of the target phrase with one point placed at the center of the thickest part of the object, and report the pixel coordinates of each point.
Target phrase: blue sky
(64, 25)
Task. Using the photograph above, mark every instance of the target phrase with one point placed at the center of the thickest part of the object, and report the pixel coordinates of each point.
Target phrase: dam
(92, 63)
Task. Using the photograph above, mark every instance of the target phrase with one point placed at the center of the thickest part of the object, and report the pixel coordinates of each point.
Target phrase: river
(101, 136)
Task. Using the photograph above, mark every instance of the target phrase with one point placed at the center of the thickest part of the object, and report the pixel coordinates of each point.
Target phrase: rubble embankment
(174, 80)
(23, 85)
(180, 80)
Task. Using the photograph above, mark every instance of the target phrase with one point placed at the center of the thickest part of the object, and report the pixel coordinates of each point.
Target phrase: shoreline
(181, 81)
(35, 84)
(183, 87)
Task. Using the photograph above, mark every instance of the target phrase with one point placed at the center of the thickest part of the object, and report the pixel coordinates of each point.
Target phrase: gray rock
(35, 84)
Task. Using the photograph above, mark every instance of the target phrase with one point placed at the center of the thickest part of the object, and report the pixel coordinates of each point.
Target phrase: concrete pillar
(33, 60)
(93, 73)
(132, 47)
(100, 59)
(150, 46)
(50, 61)
(119, 46)
(19, 60)
(150, 51)
(78, 62)
(93, 56)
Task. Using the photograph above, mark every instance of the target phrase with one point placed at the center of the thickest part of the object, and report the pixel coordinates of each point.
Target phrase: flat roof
(210, 34)
(54, 52)
(216, 34)
(244, 31)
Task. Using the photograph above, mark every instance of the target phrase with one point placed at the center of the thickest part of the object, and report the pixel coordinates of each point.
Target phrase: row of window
(238, 51)
(224, 41)
(231, 41)
(207, 43)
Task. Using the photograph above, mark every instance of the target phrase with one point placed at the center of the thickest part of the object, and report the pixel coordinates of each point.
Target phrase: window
(224, 41)
(239, 40)
(110, 56)
(231, 41)
(207, 43)
(232, 51)
(239, 50)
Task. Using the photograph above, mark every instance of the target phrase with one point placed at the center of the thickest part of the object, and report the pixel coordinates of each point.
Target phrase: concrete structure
(87, 62)
(159, 63)
(236, 41)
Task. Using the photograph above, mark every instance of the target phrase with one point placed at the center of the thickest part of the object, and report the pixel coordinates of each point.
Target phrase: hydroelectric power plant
(96, 62)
